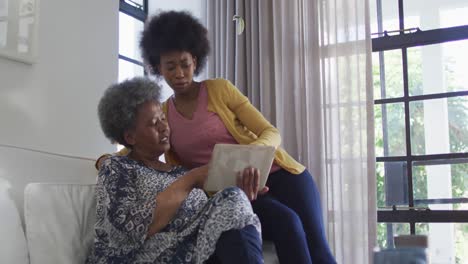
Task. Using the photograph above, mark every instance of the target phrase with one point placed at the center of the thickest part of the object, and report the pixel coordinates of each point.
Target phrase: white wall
(51, 105)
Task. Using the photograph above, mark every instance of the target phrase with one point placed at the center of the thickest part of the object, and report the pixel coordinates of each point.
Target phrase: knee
(289, 224)
(248, 233)
(240, 246)
(229, 192)
(234, 194)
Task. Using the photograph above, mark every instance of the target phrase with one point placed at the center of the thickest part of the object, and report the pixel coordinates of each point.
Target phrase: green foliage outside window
(457, 116)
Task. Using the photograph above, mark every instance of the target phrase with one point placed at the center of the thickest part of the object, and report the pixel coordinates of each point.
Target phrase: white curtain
(306, 64)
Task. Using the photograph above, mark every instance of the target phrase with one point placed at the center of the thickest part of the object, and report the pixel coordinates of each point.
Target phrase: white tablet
(228, 159)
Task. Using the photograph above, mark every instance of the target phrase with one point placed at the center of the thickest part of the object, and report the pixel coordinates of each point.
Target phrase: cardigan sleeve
(251, 118)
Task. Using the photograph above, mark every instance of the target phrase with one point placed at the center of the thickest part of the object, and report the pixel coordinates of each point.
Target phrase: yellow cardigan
(245, 123)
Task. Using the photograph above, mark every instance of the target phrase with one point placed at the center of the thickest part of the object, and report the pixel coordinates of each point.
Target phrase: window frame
(403, 40)
(139, 14)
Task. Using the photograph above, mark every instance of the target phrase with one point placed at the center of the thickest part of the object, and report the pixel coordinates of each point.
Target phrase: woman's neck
(150, 160)
(190, 95)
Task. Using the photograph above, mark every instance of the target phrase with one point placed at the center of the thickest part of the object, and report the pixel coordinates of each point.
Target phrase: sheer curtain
(306, 64)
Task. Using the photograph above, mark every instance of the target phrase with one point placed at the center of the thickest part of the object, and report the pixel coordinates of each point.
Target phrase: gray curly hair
(118, 106)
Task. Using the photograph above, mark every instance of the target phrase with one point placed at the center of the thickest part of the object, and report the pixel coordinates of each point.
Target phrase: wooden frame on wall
(18, 29)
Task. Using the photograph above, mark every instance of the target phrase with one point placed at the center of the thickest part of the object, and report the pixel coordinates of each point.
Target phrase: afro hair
(174, 31)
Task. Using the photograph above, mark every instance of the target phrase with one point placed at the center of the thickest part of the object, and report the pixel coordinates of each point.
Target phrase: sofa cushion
(269, 253)
(13, 247)
(59, 222)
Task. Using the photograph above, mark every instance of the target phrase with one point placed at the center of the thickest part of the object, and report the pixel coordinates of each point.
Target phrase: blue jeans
(238, 246)
(291, 217)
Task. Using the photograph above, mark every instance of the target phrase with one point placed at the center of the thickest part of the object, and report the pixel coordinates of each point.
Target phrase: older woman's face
(151, 133)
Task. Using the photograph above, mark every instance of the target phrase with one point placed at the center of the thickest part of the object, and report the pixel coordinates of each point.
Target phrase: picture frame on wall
(18, 29)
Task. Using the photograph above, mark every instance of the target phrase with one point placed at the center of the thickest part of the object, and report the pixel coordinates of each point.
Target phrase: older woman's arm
(126, 219)
(172, 197)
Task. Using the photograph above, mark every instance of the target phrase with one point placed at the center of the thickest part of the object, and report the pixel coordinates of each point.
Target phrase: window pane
(391, 83)
(390, 130)
(128, 70)
(3, 23)
(435, 14)
(25, 34)
(380, 175)
(392, 184)
(439, 126)
(448, 242)
(440, 183)
(3, 33)
(438, 68)
(136, 3)
(166, 90)
(386, 232)
(129, 36)
(389, 15)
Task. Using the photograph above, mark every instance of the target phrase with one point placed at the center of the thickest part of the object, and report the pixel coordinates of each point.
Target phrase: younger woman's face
(177, 68)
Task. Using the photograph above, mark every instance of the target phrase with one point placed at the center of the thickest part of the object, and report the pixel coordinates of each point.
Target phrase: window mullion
(420, 38)
(134, 11)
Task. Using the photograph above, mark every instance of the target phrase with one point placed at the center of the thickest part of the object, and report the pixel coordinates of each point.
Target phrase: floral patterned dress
(125, 193)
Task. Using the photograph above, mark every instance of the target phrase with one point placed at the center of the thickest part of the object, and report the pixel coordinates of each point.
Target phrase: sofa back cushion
(59, 222)
(13, 248)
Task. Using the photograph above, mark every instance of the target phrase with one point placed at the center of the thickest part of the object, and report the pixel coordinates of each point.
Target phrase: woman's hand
(248, 180)
(101, 160)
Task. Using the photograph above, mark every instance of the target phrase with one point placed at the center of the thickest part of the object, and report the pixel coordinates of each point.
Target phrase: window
(132, 16)
(420, 62)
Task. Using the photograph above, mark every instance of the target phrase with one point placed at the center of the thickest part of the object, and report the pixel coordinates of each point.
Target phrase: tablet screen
(228, 159)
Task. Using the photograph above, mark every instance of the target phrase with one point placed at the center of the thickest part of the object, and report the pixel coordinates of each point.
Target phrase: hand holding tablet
(248, 180)
(229, 159)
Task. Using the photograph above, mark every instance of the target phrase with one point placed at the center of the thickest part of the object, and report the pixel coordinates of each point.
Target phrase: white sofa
(59, 220)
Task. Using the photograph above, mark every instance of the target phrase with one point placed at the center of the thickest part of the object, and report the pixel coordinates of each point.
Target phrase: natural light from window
(438, 126)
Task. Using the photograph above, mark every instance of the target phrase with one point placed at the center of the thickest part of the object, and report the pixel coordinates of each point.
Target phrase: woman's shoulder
(116, 160)
(221, 89)
(177, 171)
(216, 83)
(119, 164)
(115, 170)
(124, 162)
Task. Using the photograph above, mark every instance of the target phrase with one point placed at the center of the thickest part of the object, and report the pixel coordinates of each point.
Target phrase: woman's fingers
(249, 181)
(255, 182)
(239, 180)
(264, 190)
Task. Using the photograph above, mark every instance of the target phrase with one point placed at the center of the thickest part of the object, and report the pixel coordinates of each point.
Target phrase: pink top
(193, 140)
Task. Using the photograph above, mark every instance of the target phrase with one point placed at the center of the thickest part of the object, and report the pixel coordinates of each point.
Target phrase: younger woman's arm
(251, 118)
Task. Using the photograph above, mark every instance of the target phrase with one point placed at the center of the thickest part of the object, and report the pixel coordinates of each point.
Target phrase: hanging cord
(47, 152)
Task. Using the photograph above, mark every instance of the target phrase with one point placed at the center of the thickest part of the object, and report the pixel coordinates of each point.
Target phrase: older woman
(151, 212)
